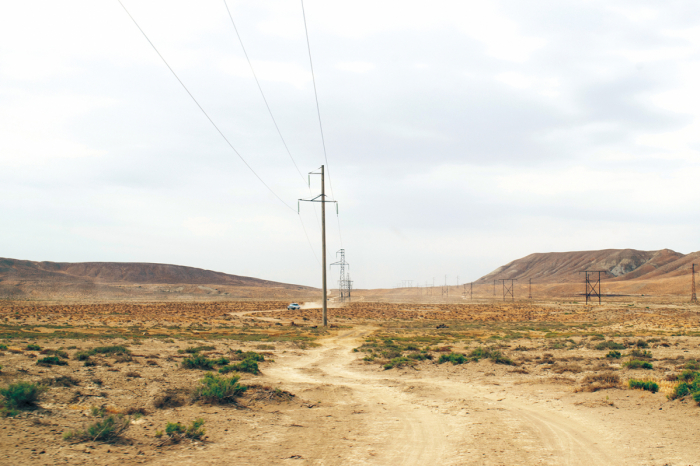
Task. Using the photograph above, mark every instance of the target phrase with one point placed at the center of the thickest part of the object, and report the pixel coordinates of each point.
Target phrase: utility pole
(471, 291)
(693, 297)
(494, 288)
(530, 297)
(323, 235)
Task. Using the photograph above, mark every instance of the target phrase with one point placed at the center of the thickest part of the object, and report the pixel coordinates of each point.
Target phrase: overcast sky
(460, 134)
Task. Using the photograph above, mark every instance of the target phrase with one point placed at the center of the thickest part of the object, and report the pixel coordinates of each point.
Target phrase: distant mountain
(619, 264)
(56, 273)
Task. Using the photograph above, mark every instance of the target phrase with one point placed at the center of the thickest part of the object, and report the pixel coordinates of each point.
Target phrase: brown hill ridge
(619, 264)
(14, 270)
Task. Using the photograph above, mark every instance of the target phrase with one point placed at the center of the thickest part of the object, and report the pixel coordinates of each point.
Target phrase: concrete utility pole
(323, 236)
(323, 248)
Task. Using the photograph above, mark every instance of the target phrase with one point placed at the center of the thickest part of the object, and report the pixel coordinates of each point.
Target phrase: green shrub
(59, 353)
(33, 347)
(692, 365)
(21, 395)
(635, 353)
(480, 353)
(51, 361)
(648, 385)
(613, 355)
(637, 364)
(681, 390)
(690, 384)
(227, 369)
(499, 358)
(197, 349)
(82, 355)
(3, 347)
(111, 350)
(454, 358)
(250, 355)
(222, 361)
(397, 362)
(641, 344)
(177, 431)
(247, 365)
(218, 389)
(106, 430)
(687, 376)
(609, 345)
(420, 356)
(198, 362)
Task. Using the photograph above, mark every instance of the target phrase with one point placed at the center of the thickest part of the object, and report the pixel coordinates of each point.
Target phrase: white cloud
(355, 66)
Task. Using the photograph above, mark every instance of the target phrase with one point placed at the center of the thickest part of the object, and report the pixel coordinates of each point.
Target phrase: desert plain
(489, 382)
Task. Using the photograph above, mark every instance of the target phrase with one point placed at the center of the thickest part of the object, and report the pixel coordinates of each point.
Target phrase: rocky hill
(29, 279)
(619, 265)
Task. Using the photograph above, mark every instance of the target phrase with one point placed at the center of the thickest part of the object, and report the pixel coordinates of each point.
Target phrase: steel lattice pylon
(344, 282)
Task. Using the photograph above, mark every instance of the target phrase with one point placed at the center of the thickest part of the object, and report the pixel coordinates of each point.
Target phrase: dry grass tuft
(573, 368)
(595, 382)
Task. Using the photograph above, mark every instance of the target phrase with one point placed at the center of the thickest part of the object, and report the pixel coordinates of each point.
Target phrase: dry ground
(347, 408)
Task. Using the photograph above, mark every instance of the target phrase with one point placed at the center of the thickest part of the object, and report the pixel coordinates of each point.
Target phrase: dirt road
(349, 413)
(418, 419)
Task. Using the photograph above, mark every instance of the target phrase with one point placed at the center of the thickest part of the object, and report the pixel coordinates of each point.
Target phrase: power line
(269, 110)
(203, 111)
(261, 91)
(318, 112)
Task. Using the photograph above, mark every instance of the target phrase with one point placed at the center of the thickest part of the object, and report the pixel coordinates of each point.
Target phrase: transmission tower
(343, 282)
(693, 297)
(592, 286)
(508, 290)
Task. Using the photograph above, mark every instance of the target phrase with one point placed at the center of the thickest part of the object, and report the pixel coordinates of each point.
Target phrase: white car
(293, 307)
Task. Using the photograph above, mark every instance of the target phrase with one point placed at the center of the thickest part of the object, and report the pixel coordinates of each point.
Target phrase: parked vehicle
(293, 307)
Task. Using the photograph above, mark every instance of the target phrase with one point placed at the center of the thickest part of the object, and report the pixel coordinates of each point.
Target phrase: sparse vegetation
(398, 362)
(33, 347)
(214, 388)
(609, 345)
(637, 364)
(689, 384)
(196, 349)
(107, 430)
(20, 395)
(648, 385)
(176, 432)
(198, 362)
(454, 358)
(613, 355)
(51, 361)
(641, 354)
